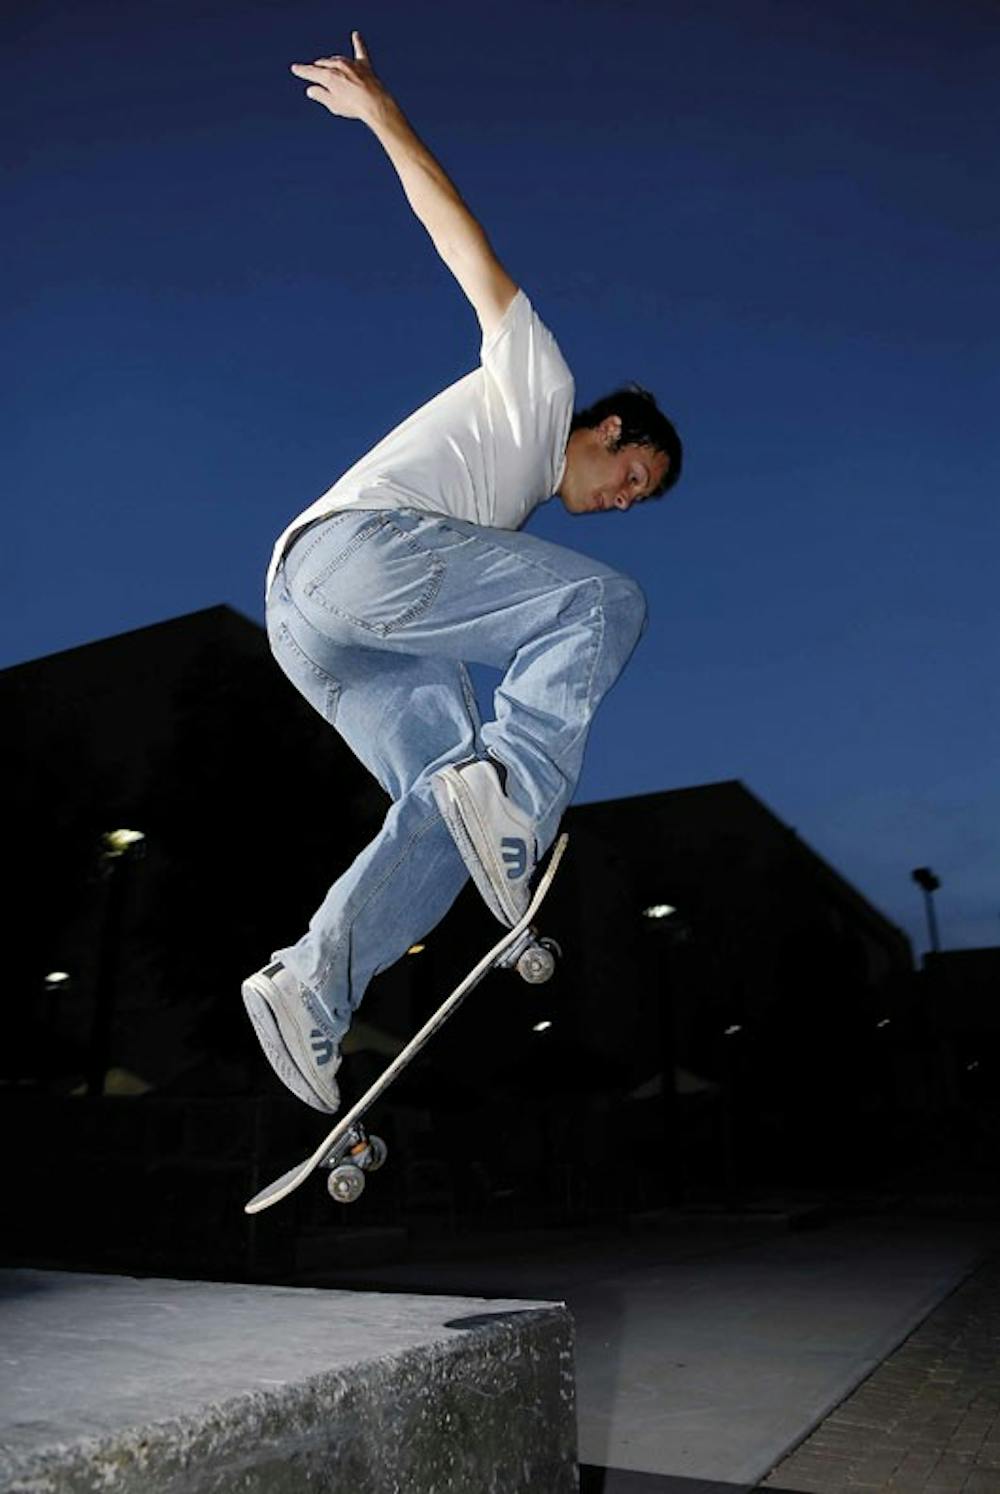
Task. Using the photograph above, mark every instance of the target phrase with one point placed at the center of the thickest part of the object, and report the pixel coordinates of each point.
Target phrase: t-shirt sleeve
(522, 360)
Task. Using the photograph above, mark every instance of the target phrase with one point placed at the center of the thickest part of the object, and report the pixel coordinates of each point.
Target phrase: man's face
(597, 478)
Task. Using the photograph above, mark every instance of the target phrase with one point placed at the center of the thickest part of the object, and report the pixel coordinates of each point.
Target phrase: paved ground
(706, 1351)
(728, 1356)
(927, 1421)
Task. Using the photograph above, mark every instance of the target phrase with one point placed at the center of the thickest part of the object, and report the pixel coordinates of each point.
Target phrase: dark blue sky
(781, 217)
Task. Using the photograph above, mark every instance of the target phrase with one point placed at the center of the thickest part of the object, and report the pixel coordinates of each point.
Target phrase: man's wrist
(385, 115)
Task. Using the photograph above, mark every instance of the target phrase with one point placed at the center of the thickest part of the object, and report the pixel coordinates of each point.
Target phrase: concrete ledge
(172, 1387)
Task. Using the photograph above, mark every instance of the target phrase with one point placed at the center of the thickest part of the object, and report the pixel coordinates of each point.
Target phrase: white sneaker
(495, 838)
(304, 1058)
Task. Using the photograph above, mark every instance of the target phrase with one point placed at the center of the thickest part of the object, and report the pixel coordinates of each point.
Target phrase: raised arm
(350, 89)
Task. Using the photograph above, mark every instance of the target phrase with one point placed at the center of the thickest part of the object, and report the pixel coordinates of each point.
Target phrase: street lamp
(666, 927)
(115, 843)
(117, 849)
(925, 879)
(659, 910)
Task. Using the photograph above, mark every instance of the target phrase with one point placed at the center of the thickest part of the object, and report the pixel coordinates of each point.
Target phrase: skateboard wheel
(536, 965)
(379, 1152)
(345, 1183)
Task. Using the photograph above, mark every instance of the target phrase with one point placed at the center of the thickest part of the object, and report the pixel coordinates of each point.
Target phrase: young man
(413, 565)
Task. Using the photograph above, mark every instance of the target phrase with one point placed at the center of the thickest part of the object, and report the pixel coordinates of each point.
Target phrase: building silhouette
(768, 1029)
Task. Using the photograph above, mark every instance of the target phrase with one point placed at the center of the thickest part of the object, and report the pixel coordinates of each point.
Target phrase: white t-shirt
(489, 448)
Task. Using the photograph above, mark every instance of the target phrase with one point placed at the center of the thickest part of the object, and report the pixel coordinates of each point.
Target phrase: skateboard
(349, 1151)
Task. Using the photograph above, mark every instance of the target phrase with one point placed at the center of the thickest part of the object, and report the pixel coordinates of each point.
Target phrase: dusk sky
(780, 217)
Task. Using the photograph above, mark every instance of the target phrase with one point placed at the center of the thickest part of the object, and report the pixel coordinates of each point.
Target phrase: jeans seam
(469, 696)
(418, 834)
(323, 675)
(361, 537)
(595, 655)
(317, 538)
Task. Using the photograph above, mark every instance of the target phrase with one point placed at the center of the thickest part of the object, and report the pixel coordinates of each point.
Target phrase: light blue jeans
(373, 616)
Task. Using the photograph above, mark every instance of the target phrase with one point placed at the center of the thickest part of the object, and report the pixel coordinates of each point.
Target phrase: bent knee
(625, 600)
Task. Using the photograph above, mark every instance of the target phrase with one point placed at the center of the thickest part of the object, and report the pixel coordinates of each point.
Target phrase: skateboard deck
(348, 1150)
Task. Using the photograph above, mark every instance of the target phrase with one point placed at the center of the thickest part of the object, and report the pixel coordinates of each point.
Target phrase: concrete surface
(122, 1385)
(706, 1352)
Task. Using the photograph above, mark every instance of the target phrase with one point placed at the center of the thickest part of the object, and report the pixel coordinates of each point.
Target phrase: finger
(311, 72)
(360, 50)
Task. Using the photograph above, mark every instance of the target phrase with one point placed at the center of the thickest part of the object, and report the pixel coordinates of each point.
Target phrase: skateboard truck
(356, 1153)
(534, 958)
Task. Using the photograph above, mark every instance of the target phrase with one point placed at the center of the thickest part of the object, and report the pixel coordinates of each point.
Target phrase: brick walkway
(927, 1421)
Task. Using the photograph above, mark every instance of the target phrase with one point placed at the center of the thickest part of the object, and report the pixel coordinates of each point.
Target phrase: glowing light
(658, 910)
(416, 949)
(542, 1026)
(55, 979)
(733, 1030)
(117, 842)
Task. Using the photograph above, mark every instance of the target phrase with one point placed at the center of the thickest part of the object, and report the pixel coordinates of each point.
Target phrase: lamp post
(667, 929)
(925, 879)
(941, 1077)
(55, 983)
(118, 848)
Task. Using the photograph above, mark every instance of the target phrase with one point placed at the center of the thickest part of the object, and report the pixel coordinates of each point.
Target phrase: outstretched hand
(346, 86)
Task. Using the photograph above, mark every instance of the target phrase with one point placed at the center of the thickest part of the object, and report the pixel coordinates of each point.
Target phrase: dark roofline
(222, 611)
(983, 954)
(845, 888)
(658, 795)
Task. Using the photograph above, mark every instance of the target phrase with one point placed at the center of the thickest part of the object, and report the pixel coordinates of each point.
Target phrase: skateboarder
(412, 565)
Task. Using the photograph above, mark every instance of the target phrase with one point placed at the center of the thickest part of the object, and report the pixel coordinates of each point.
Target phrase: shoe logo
(322, 1047)
(515, 854)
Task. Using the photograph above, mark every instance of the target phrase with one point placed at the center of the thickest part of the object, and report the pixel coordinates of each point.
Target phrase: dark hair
(643, 424)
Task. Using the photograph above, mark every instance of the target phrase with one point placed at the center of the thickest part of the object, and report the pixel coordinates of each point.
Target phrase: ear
(611, 429)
